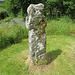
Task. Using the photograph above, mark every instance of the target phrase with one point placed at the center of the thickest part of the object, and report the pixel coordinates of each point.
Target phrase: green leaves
(52, 0)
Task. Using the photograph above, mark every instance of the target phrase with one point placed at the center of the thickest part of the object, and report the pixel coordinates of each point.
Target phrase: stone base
(41, 60)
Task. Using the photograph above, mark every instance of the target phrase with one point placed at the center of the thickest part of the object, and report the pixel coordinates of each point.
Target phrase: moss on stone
(40, 62)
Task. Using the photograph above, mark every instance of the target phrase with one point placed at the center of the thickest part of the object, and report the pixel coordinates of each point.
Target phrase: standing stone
(36, 23)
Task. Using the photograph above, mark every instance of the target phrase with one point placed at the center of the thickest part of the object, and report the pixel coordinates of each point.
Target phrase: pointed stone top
(39, 6)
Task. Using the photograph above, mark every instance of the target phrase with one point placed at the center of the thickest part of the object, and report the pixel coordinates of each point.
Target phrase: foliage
(3, 11)
(53, 8)
(60, 7)
(3, 14)
(15, 6)
(12, 34)
(12, 6)
(70, 7)
(8, 19)
(2, 7)
(62, 26)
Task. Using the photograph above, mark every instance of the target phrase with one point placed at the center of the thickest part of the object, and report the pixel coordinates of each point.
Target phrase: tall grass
(61, 26)
(12, 34)
(7, 19)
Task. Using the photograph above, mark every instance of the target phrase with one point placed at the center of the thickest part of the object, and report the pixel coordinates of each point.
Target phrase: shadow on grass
(2, 48)
(10, 44)
(53, 55)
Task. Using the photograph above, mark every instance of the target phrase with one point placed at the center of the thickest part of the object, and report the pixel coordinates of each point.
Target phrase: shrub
(3, 14)
(2, 7)
(12, 34)
(3, 11)
(61, 26)
(7, 19)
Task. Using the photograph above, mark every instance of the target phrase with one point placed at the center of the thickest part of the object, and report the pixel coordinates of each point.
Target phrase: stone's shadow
(53, 55)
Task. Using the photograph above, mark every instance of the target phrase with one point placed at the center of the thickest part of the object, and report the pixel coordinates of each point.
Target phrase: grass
(62, 26)
(59, 48)
(7, 19)
(10, 59)
(10, 34)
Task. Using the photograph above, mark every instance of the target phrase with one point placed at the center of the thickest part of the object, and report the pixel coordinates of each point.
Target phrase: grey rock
(36, 23)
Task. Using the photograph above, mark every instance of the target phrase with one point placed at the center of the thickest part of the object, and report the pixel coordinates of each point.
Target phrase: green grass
(9, 59)
(62, 26)
(10, 34)
(7, 19)
(61, 51)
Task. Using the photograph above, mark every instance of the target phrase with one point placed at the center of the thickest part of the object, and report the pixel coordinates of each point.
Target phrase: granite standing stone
(36, 23)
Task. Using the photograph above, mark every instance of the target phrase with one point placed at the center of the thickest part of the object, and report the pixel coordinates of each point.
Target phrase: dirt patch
(72, 33)
(44, 69)
(37, 69)
(23, 56)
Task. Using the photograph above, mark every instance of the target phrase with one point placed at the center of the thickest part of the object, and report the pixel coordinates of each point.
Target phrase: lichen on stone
(36, 22)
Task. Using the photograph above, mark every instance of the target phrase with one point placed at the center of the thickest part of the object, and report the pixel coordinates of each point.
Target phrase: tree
(15, 5)
(52, 7)
(65, 7)
(69, 5)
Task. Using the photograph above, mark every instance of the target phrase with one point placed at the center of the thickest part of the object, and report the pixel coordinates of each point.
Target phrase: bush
(3, 15)
(7, 19)
(61, 26)
(3, 11)
(2, 7)
(12, 34)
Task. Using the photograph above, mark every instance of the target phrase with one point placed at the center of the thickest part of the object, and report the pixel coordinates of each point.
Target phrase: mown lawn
(59, 48)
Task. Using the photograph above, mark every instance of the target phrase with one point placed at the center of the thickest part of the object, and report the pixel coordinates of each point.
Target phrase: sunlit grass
(60, 48)
(62, 26)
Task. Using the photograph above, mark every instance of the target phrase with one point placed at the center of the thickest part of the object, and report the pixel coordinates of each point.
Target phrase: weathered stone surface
(36, 23)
